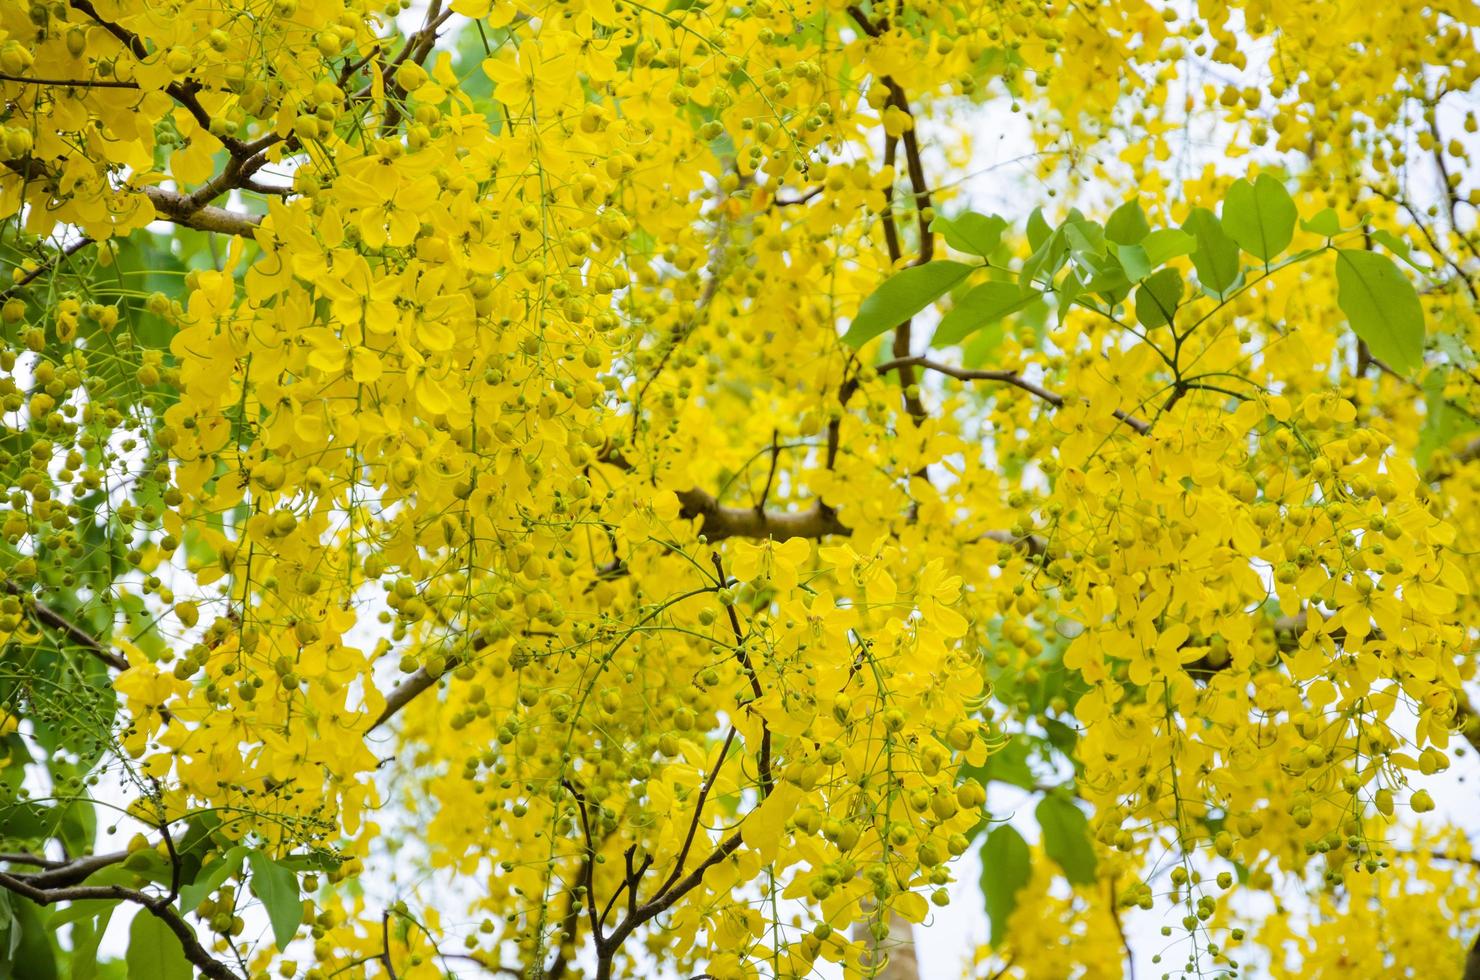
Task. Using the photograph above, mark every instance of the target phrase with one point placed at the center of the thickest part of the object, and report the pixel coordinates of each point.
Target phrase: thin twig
(54, 260)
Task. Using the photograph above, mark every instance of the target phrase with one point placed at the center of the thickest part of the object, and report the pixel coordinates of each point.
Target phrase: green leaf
(87, 908)
(1111, 284)
(1066, 838)
(31, 950)
(1325, 224)
(984, 305)
(1134, 262)
(1063, 737)
(1086, 240)
(901, 296)
(1216, 255)
(154, 951)
(26, 820)
(1157, 298)
(79, 826)
(212, 877)
(1260, 216)
(975, 234)
(1127, 224)
(10, 933)
(90, 919)
(1047, 260)
(1007, 866)
(277, 887)
(1165, 244)
(1382, 306)
(1398, 247)
(1441, 422)
(195, 842)
(1038, 229)
(313, 861)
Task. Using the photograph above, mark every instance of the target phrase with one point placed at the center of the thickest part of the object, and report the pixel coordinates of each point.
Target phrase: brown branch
(660, 904)
(764, 762)
(48, 616)
(417, 47)
(571, 922)
(1031, 543)
(55, 259)
(1289, 629)
(590, 862)
(802, 198)
(683, 853)
(1125, 943)
(181, 93)
(181, 209)
(402, 695)
(59, 874)
(67, 82)
(34, 860)
(385, 944)
(916, 169)
(771, 473)
(719, 522)
(158, 907)
(868, 27)
(1005, 377)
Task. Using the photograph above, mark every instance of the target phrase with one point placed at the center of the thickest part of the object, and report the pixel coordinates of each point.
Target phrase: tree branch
(402, 695)
(683, 853)
(764, 760)
(54, 260)
(720, 522)
(67, 82)
(181, 93)
(58, 874)
(48, 616)
(158, 907)
(181, 209)
(1005, 377)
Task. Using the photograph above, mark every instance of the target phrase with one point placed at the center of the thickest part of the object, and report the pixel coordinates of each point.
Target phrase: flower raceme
(573, 486)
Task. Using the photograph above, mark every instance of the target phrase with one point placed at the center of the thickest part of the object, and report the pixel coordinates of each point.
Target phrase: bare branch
(159, 907)
(58, 874)
(1005, 377)
(402, 695)
(179, 208)
(719, 521)
(683, 853)
(48, 616)
(54, 260)
(67, 82)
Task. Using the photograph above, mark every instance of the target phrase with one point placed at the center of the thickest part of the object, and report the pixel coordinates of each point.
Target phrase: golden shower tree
(576, 488)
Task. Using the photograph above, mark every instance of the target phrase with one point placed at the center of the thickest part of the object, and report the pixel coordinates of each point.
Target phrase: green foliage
(1128, 224)
(975, 234)
(1157, 298)
(212, 877)
(1216, 255)
(27, 946)
(1066, 838)
(1007, 866)
(1324, 223)
(154, 951)
(1260, 217)
(985, 305)
(903, 295)
(277, 887)
(1382, 306)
